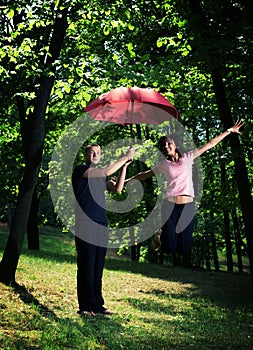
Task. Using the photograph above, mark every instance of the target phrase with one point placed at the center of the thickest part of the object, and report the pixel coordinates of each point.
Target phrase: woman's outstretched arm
(235, 129)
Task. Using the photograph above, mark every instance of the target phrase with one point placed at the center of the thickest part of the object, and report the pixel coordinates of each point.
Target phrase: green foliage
(159, 44)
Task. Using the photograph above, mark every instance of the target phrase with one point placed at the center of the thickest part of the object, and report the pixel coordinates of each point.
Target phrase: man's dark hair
(88, 147)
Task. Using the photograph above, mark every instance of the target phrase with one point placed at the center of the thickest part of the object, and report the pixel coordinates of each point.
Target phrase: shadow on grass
(29, 299)
(112, 333)
(54, 245)
(49, 255)
(222, 286)
(225, 288)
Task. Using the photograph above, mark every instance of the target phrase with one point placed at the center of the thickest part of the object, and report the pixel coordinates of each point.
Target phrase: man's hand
(130, 154)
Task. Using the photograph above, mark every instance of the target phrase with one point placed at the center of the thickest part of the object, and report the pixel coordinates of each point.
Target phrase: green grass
(156, 307)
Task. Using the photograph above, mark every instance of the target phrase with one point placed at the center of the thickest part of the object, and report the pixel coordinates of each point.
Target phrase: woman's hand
(236, 127)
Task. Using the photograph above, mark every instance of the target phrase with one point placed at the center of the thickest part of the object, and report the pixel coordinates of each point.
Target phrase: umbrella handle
(131, 133)
(131, 125)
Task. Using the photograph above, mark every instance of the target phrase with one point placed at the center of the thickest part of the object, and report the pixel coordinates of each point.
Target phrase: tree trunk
(241, 174)
(33, 223)
(15, 240)
(198, 17)
(238, 240)
(228, 242)
(33, 133)
(132, 243)
(208, 261)
(227, 232)
(215, 254)
(9, 212)
(211, 232)
(213, 245)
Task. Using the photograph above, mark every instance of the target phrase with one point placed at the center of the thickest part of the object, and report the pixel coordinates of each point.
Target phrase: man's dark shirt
(90, 194)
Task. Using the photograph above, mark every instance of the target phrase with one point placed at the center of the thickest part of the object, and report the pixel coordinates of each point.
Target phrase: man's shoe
(106, 311)
(88, 313)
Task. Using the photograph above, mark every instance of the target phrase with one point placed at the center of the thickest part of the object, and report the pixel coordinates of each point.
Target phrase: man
(89, 185)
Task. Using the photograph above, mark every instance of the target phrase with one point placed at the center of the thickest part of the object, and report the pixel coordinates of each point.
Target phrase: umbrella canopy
(125, 105)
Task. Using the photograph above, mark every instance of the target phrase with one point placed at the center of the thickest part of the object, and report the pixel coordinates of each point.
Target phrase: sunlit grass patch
(156, 307)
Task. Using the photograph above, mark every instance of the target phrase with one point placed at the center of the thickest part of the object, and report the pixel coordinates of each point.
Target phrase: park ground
(156, 307)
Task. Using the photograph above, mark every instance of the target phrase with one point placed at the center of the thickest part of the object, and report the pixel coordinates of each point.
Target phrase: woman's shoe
(156, 241)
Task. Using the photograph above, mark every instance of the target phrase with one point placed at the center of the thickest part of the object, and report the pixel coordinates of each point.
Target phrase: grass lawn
(156, 307)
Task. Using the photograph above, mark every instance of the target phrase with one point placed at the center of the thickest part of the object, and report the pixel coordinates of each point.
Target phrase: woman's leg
(169, 235)
(178, 228)
(185, 227)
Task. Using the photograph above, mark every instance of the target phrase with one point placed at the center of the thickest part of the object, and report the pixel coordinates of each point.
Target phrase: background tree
(195, 53)
(32, 128)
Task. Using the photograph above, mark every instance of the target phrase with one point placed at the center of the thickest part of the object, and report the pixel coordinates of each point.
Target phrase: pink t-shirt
(178, 175)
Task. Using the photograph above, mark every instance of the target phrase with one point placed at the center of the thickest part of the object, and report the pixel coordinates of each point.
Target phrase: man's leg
(98, 274)
(86, 255)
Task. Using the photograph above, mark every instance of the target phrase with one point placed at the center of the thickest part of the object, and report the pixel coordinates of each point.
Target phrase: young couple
(91, 232)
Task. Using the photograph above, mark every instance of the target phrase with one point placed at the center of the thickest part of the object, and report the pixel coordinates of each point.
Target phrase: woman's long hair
(161, 148)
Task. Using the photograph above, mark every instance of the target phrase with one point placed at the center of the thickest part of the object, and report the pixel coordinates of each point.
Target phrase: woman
(178, 207)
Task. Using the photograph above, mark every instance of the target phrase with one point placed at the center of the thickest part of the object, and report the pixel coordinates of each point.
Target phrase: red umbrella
(134, 105)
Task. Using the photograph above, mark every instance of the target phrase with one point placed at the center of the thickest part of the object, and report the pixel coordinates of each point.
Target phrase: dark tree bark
(213, 245)
(203, 28)
(215, 254)
(33, 135)
(238, 240)
(33, 223)
(228, 242)
(241, 174)
(211, 232)
(227, 232)
(208, 260)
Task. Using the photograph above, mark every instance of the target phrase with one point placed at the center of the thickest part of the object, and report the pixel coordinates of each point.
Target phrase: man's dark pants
(90, 265)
